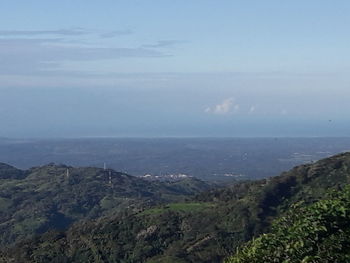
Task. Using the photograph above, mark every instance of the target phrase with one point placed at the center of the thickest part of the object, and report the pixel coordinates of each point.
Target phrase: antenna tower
(110, 178)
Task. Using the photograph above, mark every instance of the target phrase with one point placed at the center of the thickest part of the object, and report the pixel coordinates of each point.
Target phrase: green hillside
(206, 228)
(55, 196)
(317, 233)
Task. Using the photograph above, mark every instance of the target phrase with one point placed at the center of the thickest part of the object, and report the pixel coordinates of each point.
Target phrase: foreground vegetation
(316, 233)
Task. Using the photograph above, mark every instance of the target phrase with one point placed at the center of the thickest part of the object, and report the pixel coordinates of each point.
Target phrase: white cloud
(227, 106)
(252, 109)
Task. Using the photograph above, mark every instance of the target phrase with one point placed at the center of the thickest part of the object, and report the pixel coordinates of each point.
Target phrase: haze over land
(205, 158)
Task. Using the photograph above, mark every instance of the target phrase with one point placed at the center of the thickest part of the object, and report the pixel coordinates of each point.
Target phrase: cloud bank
(116, 33)
(163, 43)
(28, 56)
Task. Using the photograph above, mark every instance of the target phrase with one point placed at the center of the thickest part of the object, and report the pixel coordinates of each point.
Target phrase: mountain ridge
(54, 196)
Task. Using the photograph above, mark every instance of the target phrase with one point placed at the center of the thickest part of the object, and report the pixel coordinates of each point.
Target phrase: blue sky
(174, 68)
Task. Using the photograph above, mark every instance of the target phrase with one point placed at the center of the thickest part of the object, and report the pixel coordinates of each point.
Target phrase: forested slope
(55, 196)
(207, 228)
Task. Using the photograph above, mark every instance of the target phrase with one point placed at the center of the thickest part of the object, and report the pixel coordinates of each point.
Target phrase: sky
(174, 68)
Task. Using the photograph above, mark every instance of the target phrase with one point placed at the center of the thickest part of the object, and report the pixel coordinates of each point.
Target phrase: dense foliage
(48, 197)
(10, 172)
(317, 233)
(206, 228)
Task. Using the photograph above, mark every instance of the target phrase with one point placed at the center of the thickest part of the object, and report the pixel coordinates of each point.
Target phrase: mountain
(206, 228)
(55, 196)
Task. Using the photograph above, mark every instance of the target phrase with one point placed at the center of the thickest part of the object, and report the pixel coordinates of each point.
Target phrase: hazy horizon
(174, 69)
